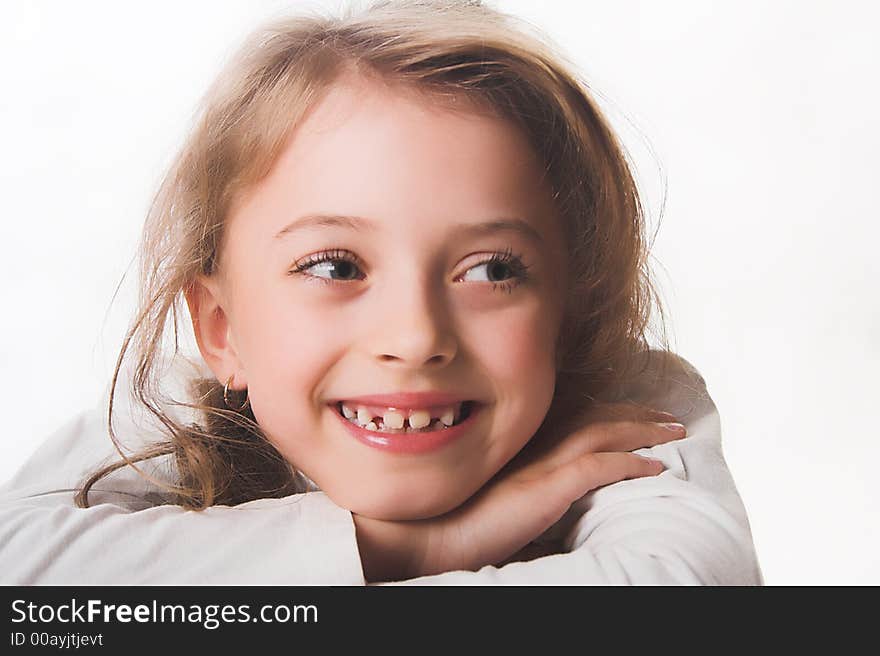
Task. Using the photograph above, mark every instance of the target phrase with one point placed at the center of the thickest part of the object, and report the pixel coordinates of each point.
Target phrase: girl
(413, 259)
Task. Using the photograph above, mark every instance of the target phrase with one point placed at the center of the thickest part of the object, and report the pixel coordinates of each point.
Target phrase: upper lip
(406, 400)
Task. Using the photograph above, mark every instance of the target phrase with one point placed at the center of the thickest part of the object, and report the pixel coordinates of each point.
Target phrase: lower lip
(410, 442)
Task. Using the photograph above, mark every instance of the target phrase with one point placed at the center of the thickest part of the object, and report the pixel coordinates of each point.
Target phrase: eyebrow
(360, 224)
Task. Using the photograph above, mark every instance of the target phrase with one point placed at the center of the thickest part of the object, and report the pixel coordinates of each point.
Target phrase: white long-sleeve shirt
(685, 526)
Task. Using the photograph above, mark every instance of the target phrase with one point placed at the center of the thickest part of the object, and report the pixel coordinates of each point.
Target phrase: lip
(412, 442)
(405, 400)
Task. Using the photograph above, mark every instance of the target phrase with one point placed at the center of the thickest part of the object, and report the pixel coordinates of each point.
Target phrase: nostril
(433, 358)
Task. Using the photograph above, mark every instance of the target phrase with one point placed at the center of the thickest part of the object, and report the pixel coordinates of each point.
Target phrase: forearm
(299, 540)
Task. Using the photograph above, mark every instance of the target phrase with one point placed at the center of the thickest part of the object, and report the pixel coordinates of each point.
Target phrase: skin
(424, 315)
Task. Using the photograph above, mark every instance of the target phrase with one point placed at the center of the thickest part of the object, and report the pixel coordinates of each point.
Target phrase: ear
(213, 332)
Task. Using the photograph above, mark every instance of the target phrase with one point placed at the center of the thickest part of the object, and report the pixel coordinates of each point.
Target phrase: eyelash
(519, 270)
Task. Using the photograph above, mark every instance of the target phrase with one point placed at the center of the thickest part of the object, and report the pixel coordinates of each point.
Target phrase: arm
(685, 526)
(125, 538)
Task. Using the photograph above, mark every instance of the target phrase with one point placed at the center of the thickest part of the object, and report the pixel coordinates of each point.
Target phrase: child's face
(415, 312)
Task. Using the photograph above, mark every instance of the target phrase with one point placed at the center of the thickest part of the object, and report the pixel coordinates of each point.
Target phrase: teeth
(392, 419)
(419, 419)
(396, 420)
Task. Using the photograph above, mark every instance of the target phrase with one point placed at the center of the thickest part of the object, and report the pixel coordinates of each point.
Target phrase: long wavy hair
(450, 50)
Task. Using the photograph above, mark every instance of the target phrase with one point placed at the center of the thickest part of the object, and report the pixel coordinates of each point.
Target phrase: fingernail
(675, 427)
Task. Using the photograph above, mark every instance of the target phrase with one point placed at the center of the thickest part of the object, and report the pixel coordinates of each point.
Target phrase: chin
(389, 506)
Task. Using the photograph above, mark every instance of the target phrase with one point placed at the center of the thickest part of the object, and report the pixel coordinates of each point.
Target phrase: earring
(247, 399)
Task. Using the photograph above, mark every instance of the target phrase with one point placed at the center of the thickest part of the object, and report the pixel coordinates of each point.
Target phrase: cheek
(286, 351)
(519, 353)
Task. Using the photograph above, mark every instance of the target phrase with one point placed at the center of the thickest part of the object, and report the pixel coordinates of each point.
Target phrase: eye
(504, 270)
(330, 266)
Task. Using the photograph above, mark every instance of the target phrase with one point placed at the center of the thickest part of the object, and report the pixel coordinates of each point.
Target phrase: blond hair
(454, 50)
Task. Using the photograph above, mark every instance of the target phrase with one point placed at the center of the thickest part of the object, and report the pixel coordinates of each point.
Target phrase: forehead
(373, 149)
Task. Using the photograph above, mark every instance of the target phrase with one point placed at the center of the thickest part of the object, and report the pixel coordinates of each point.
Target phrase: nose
(417, 328)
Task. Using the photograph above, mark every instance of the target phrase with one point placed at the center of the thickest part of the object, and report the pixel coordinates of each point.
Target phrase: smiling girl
(413, 257)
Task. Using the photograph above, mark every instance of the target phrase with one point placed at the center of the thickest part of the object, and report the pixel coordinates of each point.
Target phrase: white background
(763, 117)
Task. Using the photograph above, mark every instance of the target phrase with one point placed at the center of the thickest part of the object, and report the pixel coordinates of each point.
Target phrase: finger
(614, 436)
(660, 416)
(596, 470)
(630, 435)
(517, 508)
(598, 434)
(630, 410)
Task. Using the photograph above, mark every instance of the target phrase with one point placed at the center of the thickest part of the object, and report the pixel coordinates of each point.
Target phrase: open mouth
(400, 421)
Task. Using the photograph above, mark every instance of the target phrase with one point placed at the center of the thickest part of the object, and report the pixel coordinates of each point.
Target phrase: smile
(402, 421)
(408, 435)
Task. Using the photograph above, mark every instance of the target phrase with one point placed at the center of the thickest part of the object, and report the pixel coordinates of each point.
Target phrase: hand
(530, 494)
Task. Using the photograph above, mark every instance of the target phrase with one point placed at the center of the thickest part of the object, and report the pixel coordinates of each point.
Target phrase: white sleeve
(302, 539)
(685, 526)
